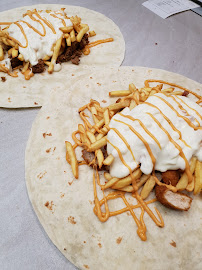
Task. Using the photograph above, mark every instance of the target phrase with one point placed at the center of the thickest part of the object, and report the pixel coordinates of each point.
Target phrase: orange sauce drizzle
(100, 215)
(78, 142)
(46, 22)
(142, 139)
(169, 122)
(121, 157)
(30, 26)
(23, 32)
(182, 108)
(115, 195)
(179, 115)
(124, 140)
(98, 42)
(34, 19)
(5, 23)
(200, 116)
(62, 20)
(171, 84)
(86, 50)
(143, 126)
(187, 168)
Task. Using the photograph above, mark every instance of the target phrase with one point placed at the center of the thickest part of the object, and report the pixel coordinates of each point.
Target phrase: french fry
(142, 180)
(55, 54)
(106, 117)
(148, 186)
(72, 158)
(183, 182)
(100, 157)
(168, 90)
(68, 41)
(63, 44)
(66, 35)
(47, 63)
(132, 88)
(198, 177)
(118, 106)
(177, 93)
(81, 33)
(110, 183)
(107, 176)
(136, 97)
(127, 189)
(66, 29)
(25, 67)
(98, 125)
(91, 136)
(92, 33)
(153, 92)
(120, 93)
(1, 53)
(133, 104)
(190, 186)
(72, 36)
(99, 136)
(14, 53)
(127, 180)
(108, 161)
(98, 144)
(21, 57)
(10, 52)
(83, 136)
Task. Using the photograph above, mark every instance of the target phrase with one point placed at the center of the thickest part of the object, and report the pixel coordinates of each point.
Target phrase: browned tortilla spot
(71, 220)
(3, 79)
(173, 243)
(99, 245)
(86, 266)
(104, 101)
(49, 205)
(41, 175)
(48, 150)
(47, 134)
(118, 240)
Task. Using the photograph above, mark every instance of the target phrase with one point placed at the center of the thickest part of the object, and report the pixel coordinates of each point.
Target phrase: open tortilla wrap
(64, 205)
(17, 92)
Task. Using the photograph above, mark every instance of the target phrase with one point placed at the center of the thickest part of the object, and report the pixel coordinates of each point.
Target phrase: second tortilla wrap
(17, 92)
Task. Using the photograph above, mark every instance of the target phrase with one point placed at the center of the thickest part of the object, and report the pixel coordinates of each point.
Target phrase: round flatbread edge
(64, 206)
(18, 93)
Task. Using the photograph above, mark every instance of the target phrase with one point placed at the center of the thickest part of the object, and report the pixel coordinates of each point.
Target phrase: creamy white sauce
(167, 158)
(38, 46)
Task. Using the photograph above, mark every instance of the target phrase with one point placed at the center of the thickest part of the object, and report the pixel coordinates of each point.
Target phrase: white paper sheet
(166, 8)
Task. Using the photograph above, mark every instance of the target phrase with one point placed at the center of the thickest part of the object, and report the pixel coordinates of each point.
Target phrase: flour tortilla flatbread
(17, 92)
(69, 219)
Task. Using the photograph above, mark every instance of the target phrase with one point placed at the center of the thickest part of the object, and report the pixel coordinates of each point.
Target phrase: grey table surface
(174, 44)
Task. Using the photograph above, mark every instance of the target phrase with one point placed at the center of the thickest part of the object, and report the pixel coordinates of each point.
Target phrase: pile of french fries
(69, 35)
(94, 137)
